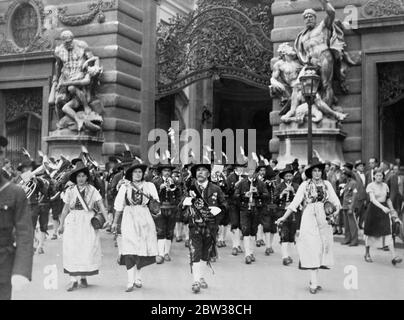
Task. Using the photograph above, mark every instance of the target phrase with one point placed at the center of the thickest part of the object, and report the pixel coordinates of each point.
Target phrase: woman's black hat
(79, 168)
(315, 164)
(135, 165)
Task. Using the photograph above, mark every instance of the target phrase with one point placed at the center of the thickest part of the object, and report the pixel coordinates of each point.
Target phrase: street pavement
(266, 279)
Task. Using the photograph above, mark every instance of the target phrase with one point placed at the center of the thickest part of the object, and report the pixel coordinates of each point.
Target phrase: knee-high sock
(186, 232)
(55, 225)
(284, 247)
(138, 275)
(196, 270)
(252, 240)
(260, 232)
(74, 279)
(267, 236)
(247, 245)
(221, 231)
(42, 237)
(178, 227)
(224, 232)
(271, 239)
(167, 246)
(131, 276)
(313, 278)
(236, 238)
(160, 246)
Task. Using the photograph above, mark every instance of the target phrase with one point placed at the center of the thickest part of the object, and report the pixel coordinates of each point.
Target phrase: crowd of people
(146, 208)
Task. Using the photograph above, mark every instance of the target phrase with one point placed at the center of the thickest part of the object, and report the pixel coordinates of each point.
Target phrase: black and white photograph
(218, 152)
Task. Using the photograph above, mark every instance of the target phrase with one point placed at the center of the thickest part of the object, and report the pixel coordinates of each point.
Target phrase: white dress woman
(315, 242)
(81, 242)
(138, 245)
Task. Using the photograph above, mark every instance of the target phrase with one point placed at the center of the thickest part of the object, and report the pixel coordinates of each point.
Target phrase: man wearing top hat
(252, 195)
(205, 201)
(16, 248)
(170, 195)
(349, 206)
(284, 195)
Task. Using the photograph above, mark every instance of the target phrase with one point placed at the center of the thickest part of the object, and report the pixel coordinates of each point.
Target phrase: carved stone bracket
(219, 39)
(25, 30)
(96, 9)
(383, 8)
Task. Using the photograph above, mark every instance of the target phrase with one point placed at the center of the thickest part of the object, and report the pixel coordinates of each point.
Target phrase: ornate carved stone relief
(391, 83)
(383, 8)
(96, 9)
(24, 28)
(219, 39)
(18, 101)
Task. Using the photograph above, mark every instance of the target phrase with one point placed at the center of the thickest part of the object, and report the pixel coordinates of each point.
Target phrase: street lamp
(310, 82)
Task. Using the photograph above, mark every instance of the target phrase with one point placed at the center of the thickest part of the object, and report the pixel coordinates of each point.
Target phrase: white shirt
(362, 175)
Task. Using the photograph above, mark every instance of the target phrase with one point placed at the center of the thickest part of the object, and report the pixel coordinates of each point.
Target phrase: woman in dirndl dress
(378, 220)
(315, 242)
(81, 242)
(138, 245)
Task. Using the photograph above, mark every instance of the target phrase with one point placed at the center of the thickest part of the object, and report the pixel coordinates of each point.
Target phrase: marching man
(205, 201)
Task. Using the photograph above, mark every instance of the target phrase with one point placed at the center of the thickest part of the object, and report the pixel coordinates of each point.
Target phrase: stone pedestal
(70, 145)
(328, 141)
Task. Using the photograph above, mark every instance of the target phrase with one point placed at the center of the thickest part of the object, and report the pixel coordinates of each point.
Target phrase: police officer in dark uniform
(252, 195)
(170, 195)
(16, 249)
(206, 201)
(284, 194)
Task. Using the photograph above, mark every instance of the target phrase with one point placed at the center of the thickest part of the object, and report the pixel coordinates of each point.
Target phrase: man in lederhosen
(16, 248)
(284, 194)
(205, 201)
(220, 181)
(186, 182)
(252, 195)
(233, 180)
(261, 172)
(170, 195)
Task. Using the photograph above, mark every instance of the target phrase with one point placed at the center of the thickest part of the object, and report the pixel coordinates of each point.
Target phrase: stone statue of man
(76, 68)
(322, 44)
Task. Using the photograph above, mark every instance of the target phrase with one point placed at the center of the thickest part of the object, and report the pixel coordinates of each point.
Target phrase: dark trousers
(351, 227)
(5, 290)
(201, 242)
(41, 213)
(287, 231)
(249, 220)
(165, 224)
(268, 219)
(361, 213)
(234, 215)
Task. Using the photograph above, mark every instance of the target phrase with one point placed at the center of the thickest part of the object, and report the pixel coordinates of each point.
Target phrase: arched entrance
(219, 57)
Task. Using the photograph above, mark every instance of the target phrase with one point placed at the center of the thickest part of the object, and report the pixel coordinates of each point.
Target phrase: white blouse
(126, 190)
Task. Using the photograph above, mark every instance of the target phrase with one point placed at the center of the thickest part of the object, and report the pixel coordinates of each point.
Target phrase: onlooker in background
(297, 175)
(327, 167)
(361, 196)
(333, 174)
(273, 163)
(373, 163)
(385, 166)
(7, 170)
(396, 186)
(349, 195)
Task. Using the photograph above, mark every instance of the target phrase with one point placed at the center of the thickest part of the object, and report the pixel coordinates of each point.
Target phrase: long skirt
(138, 244)
(81, 245)
(315, 242)
(377, 227)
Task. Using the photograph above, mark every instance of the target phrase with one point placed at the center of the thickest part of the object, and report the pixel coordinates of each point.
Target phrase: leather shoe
(270, 250)
(258, 243)
(234, 251)
(167, 257)
(159, 260)
(179, 239)
(267, 252)
(396, 260)
(248, 260)
(262, 243)
(73, 285)
(345, 242)
(368, 258)
(313, 290)
(224, 244)
(138, 283)
(130, 288)
(286, 261)
(354, 244)
(239, 249)
(203, 283)
(220, 244)
(196, 287)
(40, 250)
(290, 259)
(252, 257)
